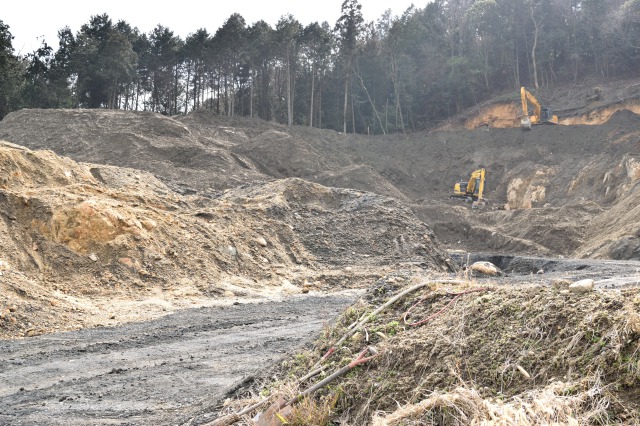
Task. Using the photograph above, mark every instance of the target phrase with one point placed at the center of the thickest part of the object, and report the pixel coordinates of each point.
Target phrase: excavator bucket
(479, 204)
(525, 123)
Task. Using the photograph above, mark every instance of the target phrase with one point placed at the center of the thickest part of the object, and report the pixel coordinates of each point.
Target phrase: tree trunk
(232, 96)
(344, 110)
(396, 89)
(346, 91)
(320, 107)
(536, 29)
(313, 81)
(373, 106)
(518, 82)
(112, 96)
(137, 95)
(213, 90)
(289, 100)
(252, 76)
(176, 81)
(186, 99)
(353, 117)
(386, 115)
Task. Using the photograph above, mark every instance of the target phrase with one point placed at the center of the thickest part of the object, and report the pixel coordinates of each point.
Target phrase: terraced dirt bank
(113, 219)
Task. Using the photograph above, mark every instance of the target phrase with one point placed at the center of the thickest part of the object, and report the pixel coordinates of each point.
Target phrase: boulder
(582, 286)
(485, 269)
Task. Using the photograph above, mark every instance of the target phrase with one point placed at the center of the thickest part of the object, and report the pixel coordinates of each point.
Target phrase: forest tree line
(397, 74)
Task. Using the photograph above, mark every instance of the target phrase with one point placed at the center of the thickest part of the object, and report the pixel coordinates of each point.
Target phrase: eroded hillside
(574, 178)
(76, 235)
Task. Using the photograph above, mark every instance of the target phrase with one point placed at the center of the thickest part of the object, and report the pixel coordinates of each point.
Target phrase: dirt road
(161, 372)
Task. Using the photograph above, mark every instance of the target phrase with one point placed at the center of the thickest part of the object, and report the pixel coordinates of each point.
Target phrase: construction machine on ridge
(541, 114)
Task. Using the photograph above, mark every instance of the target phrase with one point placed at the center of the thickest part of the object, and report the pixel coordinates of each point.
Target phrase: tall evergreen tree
(316, 45)
(260, 51)
(103, 60)
(90, 43)
(61, 72)
(163, 66)
(35, 92)
(10, 73)
(349, 26)
(231, 43)
(119, 66)
(195, 54)
(288, 33)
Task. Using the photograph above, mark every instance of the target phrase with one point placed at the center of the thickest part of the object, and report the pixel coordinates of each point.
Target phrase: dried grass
(524, 357)
(465, 406)
(310, 411)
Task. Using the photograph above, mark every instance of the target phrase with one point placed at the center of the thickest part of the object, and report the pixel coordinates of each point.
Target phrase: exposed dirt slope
(588, 102)
(562, 176)
(568, 175)
(73, 230)
(138, 140)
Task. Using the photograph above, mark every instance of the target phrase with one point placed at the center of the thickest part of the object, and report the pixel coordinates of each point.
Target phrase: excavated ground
(110, 218)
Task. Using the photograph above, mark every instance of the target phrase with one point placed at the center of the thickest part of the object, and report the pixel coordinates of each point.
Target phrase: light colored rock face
(89, 223)
(582, 286)
(524, 193)
(633, 169)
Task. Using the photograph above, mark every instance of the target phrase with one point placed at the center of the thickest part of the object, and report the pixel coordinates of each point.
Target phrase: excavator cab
(546, 115)
(471, 190)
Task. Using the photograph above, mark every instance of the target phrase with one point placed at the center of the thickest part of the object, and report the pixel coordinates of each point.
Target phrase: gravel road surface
(162, 372)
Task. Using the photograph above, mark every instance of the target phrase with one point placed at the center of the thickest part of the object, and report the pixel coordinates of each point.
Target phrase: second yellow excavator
(471, 190)
(541, 115)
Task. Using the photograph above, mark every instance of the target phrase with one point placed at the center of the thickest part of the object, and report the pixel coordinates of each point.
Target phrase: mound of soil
(591, 102)
(74, 231)
(139, 140)
(343, 227)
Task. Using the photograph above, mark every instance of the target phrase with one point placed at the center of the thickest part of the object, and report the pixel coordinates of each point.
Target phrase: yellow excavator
(541, 115)
(471, 190)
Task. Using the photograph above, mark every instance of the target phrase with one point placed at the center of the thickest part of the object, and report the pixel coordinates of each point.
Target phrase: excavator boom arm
(480, 181)
(475, 186)
(525, 95)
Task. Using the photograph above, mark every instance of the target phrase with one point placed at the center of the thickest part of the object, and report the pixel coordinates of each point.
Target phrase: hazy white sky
(30, 20)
